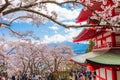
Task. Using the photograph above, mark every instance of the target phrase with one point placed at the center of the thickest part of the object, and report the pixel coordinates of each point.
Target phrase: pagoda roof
(82, 58)
(111, 57)
(96, 6)
(87, 34)
(85, 14)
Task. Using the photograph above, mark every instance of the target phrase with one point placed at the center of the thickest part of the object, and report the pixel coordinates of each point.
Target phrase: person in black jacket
(13, 78)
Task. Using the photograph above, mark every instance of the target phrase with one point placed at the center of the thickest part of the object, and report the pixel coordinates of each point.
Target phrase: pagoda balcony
(106, 46)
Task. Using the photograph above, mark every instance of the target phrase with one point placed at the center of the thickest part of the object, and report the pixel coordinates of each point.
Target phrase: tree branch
(93, 11)
(10, 50)
(25, 8)
(64, 25)
(14, 31)
(34, 4)
(18, 18)
(1, 23)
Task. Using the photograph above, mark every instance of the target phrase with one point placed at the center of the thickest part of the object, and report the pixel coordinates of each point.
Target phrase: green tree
(91, 44)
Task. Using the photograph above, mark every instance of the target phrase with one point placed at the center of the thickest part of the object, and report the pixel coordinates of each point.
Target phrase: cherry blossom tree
(30, 57)
(37, 12)
(58, 57)
(57, 60)
(5, 52)
(27, 57)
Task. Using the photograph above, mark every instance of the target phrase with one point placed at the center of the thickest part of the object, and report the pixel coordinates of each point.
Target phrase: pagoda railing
(118, 44)
(106, 45)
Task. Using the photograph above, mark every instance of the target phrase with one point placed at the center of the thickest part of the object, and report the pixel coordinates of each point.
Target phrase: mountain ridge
(78, 48)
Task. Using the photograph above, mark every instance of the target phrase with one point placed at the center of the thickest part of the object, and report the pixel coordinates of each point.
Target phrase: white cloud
(54, 27)
(70, 33)
(63, 13)
(55, 38)
(73, 32)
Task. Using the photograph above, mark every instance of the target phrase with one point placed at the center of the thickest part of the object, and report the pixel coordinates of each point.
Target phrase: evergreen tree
(91, 44)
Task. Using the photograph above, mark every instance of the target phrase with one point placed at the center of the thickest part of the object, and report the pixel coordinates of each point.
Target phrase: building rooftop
(111, 57)
(82, 58)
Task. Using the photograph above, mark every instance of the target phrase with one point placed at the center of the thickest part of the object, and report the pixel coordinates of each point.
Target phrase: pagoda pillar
(113, 39)
(114, 74)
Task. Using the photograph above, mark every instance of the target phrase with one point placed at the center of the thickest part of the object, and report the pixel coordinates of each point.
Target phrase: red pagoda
(104, 59)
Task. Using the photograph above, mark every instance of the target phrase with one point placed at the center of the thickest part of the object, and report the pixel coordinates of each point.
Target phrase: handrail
(108, 44)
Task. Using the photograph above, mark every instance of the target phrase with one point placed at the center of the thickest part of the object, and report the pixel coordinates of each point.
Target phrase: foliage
(91, 44)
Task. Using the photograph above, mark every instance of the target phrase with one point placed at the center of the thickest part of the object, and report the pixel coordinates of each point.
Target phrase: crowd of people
(34, 76)
(82, 74)
(79, 74)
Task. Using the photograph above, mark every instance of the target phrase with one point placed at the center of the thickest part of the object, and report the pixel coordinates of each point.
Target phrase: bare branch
(10, 50)
(14, 31)
(64, 25)
(20, 17)
(1, 23)
(34, 4)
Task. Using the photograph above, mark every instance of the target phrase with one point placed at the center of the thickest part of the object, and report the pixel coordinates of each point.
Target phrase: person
(40, 78)
(43, 78)
(50, 77)
(71, 76)
(90, 76)
(47, 76)
(94, 75)
(19, 78)
(35, 76)
(0, 77)
(13, 77)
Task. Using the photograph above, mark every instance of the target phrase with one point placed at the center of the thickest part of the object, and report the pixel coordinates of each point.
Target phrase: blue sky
(49, 31)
